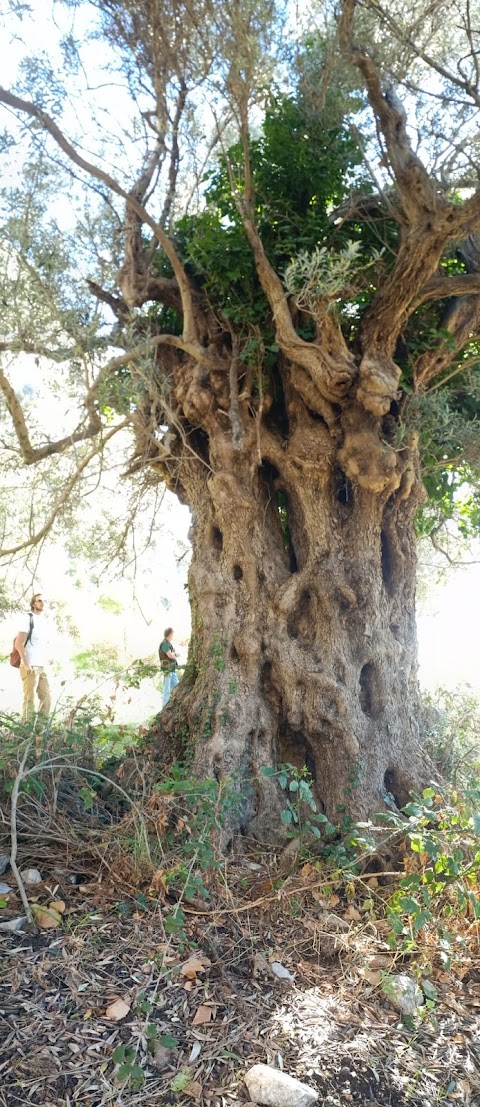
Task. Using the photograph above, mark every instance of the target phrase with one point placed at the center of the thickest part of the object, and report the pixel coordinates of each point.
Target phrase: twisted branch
(48, 124)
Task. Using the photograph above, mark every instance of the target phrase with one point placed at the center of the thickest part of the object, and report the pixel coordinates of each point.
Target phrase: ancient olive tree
(287, 296)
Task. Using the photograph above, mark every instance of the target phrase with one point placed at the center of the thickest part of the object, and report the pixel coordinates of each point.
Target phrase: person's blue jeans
(170, 682)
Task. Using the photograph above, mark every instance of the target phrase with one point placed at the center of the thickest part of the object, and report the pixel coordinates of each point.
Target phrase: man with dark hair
(168, 664)
(32, 643)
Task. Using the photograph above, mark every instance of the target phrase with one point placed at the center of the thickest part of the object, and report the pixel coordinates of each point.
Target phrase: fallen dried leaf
(193, 966)
(194, 1090)
(352, 914)
(158, 882)
(195, 1052)
(47, 918)
(203, 1014)
(372, 976)
(57, 905)
(259, 964)
(322, 900)
(117, 1010)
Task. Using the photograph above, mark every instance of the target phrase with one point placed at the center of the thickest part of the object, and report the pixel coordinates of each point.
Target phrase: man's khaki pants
(35, 681)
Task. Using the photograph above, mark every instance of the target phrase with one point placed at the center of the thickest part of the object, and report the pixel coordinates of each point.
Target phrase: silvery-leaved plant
(326, 275)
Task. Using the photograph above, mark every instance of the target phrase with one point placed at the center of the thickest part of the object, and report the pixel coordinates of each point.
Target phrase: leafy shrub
(195, 812)
(438, 899)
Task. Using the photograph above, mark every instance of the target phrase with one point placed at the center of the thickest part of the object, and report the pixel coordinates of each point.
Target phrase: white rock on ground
(403, 993)
(273, 1088)
(31, 876)
(14, 924)
(280, 971)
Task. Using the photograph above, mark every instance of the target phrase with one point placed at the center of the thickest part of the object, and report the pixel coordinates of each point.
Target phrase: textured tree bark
(303, 648)
(302, 485)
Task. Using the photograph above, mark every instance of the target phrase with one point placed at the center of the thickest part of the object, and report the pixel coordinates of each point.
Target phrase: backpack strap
(29, 635)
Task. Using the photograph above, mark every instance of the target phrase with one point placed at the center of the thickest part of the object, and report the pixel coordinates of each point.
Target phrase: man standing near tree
(168, 665)
(32, 643)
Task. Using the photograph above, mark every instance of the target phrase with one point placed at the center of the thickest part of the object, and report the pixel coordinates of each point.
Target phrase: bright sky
(449, 630)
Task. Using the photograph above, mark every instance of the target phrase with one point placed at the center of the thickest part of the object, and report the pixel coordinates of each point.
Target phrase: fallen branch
(14, 838)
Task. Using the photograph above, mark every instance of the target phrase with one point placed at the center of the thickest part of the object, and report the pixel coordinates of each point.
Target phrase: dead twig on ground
(21, 774)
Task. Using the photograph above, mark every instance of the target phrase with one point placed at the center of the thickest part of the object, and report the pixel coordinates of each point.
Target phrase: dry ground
(202, 1004)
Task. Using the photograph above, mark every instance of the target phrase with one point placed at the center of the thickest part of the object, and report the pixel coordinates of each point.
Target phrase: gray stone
(4, 862)
(4, 889)
(31, 876)
(280, 971)
(162, 1057)
(403, 993)
(272, 1088)
(14, 924)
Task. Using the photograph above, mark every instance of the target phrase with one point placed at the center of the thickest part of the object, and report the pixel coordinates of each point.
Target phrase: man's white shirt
(37, 649)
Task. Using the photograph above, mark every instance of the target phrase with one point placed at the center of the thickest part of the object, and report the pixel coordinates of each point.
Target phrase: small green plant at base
(297, 785)
(174, 924)
(199, 809)
(88, 797)
(168, 1041)
(442, 888)
(181, 1081)
(128, 1067)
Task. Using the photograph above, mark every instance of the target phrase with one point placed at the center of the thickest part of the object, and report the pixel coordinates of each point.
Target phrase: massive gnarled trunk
(302, 588)
(301, 468)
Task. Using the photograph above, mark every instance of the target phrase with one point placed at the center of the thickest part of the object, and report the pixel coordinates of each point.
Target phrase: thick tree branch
(429, 220)
(401, 293)
(462, 320)
(31, 454)
(369, 206)
(174, 154)
(48, 124)
(467, 217)
(65, 494)
(418, 191)
(119, 307)
(453, 77)
(417, 260)
(134, 271)
(461, 316)
(442, 288)
(139, 288)
(198, 354)
(328, 361)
